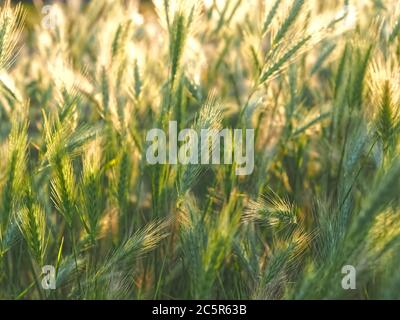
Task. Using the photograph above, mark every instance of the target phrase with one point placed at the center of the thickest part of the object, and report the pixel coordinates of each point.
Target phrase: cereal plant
(82, 85)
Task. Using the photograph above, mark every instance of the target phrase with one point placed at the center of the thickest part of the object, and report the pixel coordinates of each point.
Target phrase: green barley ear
(69, 270)
(119, 54)
(271, 210)
(193, 236)
(385, 96)
(270, 16)
(386, 120)
(63, 143)
(123, 180)
(281, 262)
(210, 117)
(92, 194)
(138, 82)
(289, 21)
(65, 138)
(206, 242)
(32, 223)
(178, 17)
(16, 169)
(178, 37)
(11, 25)
(138, 244)
(282, 60)
(290, 38)
(105, 90)
(116, 44)
(63, 188)
(385, 193)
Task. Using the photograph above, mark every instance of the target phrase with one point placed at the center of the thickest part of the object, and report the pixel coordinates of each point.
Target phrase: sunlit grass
(317, 80)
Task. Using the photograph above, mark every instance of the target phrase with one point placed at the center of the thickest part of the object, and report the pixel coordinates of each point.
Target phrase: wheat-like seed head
(11, 25)
(32, 223)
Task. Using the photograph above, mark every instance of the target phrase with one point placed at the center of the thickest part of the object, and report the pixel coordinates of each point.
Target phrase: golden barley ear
(11, 26)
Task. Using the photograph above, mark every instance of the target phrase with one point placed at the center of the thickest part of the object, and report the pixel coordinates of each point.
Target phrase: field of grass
(82, 84)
